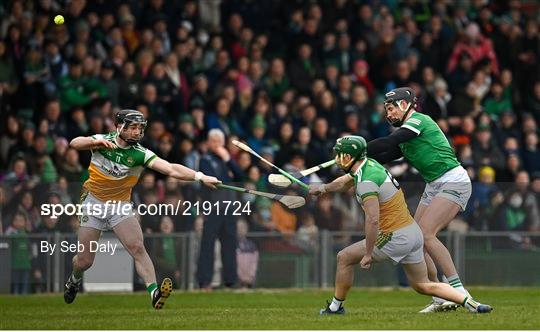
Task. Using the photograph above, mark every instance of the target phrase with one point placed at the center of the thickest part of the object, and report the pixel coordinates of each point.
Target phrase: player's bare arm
(182, 173)
(371, 208)
(82, 143)
(341, 184)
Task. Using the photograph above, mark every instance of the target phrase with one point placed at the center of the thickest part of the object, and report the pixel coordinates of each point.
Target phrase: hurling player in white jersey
(117, 161)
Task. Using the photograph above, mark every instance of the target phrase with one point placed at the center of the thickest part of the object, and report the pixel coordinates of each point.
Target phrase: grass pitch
(514, 308)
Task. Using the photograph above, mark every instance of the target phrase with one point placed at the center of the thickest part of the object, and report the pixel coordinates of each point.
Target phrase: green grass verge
(514, 308)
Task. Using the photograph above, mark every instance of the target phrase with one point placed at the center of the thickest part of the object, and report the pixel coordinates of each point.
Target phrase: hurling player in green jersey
(448, 186)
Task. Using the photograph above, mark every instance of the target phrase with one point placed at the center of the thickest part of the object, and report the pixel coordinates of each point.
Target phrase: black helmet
(127, 117)
(394, 96)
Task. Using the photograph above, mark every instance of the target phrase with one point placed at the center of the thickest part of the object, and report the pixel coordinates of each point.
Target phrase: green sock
(151, 288)
(77, 275)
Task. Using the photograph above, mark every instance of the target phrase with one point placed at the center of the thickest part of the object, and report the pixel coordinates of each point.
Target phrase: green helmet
(355, 146)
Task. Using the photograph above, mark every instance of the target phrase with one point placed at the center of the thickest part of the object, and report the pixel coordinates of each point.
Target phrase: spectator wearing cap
(481, 191)
(257, 139)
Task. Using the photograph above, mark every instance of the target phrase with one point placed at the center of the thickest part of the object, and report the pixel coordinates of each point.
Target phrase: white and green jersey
(372, 180)
(113, 173)
(430, 152)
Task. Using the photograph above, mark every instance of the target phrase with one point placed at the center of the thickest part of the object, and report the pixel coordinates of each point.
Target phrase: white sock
(455, 282)
(336, 304)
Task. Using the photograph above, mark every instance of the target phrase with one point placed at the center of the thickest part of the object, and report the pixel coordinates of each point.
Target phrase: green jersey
(429, 152)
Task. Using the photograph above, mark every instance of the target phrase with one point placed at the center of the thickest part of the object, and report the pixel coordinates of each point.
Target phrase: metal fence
(482, 258)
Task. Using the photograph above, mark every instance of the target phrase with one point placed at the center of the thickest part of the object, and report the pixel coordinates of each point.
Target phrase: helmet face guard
(127, 118)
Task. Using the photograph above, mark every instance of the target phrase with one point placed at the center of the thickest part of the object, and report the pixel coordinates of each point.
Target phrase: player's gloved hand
(210, 181)
(103, 143)
(317, 189)
(365, 263)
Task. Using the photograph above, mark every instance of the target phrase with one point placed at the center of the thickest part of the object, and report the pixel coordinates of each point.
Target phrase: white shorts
(102, 216)
(403, 246)
(454, 185)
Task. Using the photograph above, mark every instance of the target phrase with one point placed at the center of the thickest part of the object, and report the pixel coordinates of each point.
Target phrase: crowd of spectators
(286, 76)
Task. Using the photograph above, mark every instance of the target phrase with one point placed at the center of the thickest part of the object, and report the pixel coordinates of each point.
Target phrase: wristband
(198, 176)
(322, 188)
